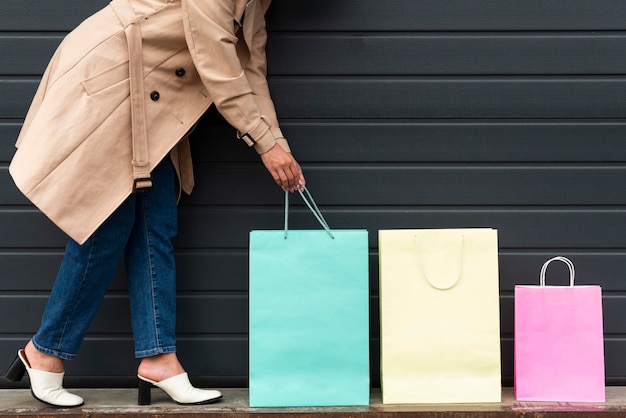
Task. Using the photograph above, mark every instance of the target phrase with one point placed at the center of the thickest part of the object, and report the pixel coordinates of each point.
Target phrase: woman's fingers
(284, 169)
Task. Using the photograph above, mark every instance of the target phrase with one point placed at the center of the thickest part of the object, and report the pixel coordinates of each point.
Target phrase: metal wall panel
(404, 114)
(393, 53)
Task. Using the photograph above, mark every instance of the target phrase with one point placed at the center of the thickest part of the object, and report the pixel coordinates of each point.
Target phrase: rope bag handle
(570, 265)
(308, 199)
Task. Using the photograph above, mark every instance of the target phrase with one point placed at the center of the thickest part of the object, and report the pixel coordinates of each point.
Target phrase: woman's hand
(284, 169)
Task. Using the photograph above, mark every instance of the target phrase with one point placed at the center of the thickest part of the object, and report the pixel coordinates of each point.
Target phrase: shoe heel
(144, 397)
(16, 371)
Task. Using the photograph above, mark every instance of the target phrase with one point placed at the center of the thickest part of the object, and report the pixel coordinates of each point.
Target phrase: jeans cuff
(155, 351)
(55, 353)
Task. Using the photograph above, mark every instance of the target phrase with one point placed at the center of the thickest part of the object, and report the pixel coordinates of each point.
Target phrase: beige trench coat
(93, 127)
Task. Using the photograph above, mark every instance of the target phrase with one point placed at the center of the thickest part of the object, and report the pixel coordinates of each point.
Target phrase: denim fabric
(141, 229)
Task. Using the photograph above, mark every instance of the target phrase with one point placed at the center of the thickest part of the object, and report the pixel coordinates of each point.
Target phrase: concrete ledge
(123, 402)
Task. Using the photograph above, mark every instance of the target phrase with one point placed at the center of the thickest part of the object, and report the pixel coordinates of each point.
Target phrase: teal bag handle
(308, 199)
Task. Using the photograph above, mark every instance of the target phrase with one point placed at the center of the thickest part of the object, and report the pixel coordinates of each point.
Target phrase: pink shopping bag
(559, 348)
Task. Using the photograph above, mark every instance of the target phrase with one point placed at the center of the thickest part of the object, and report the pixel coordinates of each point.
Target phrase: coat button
(155, 95)
(180, 72)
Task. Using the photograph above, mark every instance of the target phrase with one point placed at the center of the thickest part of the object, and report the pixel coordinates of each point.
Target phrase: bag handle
(308, 199)
(570, 265)
(428, 279)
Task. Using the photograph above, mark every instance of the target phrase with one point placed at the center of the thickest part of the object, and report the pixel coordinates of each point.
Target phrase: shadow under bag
(309, 316)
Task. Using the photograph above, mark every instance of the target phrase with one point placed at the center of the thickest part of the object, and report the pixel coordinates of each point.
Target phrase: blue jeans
(141, 230)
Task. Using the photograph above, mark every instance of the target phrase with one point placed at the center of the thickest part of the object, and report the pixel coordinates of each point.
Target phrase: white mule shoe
(46, 387)
(179, 389)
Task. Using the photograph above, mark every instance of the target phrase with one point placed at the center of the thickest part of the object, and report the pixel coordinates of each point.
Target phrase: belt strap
(142, 179)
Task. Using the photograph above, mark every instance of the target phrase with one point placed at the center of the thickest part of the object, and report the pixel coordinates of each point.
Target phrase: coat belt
(142, 179)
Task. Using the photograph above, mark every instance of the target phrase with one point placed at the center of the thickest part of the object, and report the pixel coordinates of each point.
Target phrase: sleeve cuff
(263, 137)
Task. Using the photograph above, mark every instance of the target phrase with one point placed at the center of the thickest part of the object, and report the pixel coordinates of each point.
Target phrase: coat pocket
(107, 78)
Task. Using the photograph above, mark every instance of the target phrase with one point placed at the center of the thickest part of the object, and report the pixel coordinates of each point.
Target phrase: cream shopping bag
(440, 319)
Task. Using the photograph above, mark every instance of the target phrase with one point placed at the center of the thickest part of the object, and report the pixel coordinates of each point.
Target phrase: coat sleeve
(240, 94)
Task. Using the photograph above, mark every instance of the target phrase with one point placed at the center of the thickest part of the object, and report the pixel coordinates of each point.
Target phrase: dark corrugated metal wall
(404, 114)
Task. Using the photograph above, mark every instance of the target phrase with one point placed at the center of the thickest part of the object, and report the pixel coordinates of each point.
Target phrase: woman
(104, 154)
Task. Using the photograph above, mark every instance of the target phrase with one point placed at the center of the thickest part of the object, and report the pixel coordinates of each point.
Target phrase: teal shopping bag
(309, 316)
